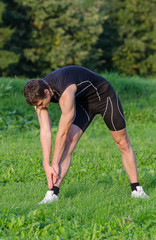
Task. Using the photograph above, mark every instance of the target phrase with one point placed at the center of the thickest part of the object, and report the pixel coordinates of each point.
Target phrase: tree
(109, 40)
(7, 57)
(137, 31)
(62, 33)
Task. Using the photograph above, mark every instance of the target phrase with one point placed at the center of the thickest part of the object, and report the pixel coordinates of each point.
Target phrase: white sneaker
(139, 193)
(49, 197)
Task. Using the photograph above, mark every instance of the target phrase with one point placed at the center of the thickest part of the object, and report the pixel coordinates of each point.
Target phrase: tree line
(39, 36)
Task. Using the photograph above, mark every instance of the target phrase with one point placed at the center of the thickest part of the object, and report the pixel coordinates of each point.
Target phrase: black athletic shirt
(89, 84)
(94, 95)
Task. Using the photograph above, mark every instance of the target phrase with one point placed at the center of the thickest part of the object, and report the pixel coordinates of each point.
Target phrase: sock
(55, 190)
(134, 185)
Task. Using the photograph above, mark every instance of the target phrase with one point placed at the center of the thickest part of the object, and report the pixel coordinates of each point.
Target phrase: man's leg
(73, 137)
(80, 124)
(129, 161)
(128, 156)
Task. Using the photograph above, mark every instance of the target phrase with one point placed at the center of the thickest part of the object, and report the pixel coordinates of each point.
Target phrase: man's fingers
(54, 179)
(54, 173)
(50, 182)
(50, 186)
(51, 177)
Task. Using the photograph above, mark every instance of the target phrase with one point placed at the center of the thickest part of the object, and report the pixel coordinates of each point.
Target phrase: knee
(123, 144)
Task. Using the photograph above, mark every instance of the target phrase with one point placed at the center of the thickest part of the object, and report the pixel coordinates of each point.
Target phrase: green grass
(94, 201)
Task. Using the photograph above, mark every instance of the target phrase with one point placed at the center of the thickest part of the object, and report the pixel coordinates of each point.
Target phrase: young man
(81, 94)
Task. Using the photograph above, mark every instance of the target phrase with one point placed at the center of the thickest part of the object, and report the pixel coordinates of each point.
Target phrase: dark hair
(34, 91)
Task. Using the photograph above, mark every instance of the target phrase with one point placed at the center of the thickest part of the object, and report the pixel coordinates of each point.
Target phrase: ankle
(55, 189)
(134, 185)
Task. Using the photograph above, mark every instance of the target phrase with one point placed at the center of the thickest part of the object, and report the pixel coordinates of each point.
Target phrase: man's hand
(51, 175)
(55, 166)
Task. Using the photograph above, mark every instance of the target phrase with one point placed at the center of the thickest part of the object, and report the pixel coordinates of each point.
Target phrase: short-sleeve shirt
(88, 83)
(94, 95)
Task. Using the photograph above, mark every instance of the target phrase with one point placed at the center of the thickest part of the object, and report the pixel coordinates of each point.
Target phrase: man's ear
(46, 91)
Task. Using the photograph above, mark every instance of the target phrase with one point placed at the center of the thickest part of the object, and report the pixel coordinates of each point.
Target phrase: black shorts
(109, 107)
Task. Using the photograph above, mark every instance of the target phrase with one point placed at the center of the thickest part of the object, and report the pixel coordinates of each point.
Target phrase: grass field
(94, 201)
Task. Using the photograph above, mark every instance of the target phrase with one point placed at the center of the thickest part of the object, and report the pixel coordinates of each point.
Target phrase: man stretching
(81, 95)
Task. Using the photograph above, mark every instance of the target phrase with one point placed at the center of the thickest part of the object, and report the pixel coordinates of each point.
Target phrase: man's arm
(45, 134)
(46, 143)
(67, 104)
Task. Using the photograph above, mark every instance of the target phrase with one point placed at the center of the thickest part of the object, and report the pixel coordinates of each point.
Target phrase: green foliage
(94, 201)
(6, 57)
(137, 31)
(128, 38)
(110, 34)
(109, 39)
(58, 33)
